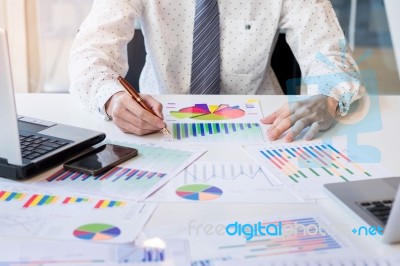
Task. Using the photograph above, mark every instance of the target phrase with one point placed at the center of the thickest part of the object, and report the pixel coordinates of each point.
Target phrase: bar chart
(306, 167)
(217, 132)
(134, 179)
(306, 235)
(9, 196)
(225, 122)
(278, 235)
(117, 174)
(71, 200)
(56, 214)
(40, 200)
(101, 204)
(329, 160)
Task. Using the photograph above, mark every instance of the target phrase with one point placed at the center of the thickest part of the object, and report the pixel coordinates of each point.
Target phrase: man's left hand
(318, 112)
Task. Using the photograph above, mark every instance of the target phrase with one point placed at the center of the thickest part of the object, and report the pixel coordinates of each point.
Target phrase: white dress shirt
(248, 34)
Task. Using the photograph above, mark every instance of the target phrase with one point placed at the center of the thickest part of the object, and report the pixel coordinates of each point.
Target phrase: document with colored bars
(211, 122)
(134, 179)
(301, 235)
(306, 166)
(28, 211)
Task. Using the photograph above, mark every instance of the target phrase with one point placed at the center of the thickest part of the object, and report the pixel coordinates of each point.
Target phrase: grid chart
(301, 240)
(225, 132)
(303, 162)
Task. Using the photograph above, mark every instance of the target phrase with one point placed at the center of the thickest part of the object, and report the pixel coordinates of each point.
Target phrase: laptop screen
(9, 136)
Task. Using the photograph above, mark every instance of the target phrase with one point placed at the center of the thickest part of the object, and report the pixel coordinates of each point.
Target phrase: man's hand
(318, 112)
(130, 117)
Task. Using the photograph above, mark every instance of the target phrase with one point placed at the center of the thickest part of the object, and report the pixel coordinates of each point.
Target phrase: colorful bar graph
(9, 196)
(71, 200)
(101, 204)
(133, 179)
(219, 132)
(307, 161)
(40, 200)
(117, 174)
(298, 241)
(305, 167)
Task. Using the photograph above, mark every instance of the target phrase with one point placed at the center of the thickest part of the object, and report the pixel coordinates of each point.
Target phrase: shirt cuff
(345, 95)
(104, 93)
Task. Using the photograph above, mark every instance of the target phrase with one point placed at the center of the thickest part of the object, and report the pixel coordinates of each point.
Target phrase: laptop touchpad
(29, 127)
(68, 132)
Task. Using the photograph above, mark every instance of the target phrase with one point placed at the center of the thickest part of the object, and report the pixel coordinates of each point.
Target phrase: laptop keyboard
(34, 146)
(380, 209)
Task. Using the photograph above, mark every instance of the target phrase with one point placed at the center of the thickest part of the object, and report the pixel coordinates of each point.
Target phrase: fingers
(130, 117)
(275, 115)
(281, 120)
(130, 123)
(280, 114)
(276, 129)
(147, 119)
(294, 117)
(314, 129)
(270, 119)
(154, 104)
(295, 130)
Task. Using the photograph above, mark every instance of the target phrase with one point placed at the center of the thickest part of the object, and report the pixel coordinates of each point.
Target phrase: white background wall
(393, 14)
(2, 14)
(58, 21)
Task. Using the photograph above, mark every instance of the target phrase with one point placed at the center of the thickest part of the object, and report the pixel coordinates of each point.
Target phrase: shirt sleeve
(318, 43)
(99, 52)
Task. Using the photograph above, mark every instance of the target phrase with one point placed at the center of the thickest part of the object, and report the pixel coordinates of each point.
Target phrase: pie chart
(199, 192)
(209, 112)
(97, 232)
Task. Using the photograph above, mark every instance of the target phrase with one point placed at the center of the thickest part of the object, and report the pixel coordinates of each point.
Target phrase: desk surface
(65, 109)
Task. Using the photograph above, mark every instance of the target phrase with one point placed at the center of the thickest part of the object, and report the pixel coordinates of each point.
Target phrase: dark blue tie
(206, 62)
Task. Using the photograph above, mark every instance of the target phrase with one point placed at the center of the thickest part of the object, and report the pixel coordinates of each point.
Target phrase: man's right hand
(130, 117)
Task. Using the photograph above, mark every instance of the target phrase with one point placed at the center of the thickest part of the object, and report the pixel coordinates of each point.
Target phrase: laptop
(28, 145)
(375, 201)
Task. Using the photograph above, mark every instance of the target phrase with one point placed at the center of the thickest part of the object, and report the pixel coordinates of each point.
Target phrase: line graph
(240, 182)
(205, 172)
(24, 224)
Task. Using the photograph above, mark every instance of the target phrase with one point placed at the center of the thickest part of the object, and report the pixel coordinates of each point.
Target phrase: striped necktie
(206, 63)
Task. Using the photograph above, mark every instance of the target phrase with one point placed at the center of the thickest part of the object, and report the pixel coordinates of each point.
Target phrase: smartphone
(101, 159)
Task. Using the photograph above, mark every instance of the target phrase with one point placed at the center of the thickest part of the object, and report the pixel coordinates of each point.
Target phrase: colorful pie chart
(209, 112)
(199, 192)
(97, 232)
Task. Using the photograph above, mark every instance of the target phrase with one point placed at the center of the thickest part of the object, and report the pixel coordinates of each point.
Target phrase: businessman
(213, 47)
